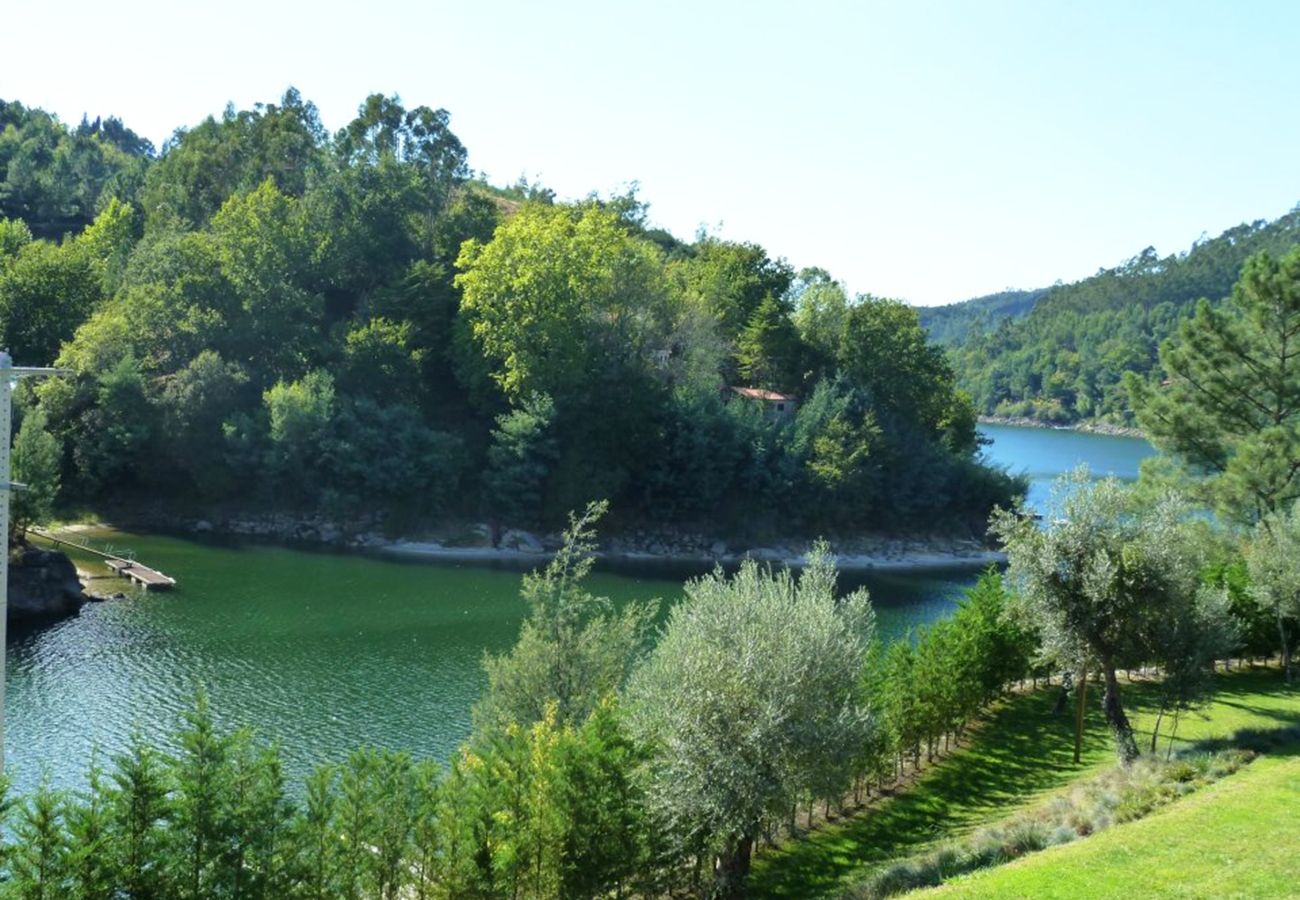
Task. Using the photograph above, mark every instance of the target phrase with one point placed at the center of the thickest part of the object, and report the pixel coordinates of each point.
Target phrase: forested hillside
(265, 313)
(1064, 360)
(955, 323)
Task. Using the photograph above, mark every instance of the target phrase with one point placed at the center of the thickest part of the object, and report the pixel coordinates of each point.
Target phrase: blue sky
(923, 150)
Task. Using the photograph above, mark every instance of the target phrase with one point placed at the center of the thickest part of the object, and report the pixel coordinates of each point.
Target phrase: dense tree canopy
(265, 313)
(56, 179)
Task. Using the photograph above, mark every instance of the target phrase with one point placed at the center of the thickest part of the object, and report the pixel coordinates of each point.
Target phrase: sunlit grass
(1023, 753)
(1237, 838)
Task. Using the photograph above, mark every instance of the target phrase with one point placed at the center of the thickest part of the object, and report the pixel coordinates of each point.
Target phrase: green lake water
(326, 652)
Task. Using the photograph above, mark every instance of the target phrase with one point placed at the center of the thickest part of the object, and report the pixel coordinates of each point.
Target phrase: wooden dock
(123, 566)
(151, 579)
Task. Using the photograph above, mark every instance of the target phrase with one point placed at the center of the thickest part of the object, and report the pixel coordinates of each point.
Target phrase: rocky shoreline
(43, 584)
(470, 543)
(1090, 427)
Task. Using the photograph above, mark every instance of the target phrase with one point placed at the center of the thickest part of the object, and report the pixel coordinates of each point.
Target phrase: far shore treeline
(1060, 355)
(262, 313)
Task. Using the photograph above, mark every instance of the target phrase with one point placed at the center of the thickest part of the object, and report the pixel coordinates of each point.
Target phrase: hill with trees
(1064, 360)
(262, 313)
(956, 323)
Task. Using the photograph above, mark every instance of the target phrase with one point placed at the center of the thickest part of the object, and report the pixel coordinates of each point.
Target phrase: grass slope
(1020, 755)
(1237, 838)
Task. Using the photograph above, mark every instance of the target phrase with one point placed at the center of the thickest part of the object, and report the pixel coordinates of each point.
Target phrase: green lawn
(1236, 838)
(1021, 754)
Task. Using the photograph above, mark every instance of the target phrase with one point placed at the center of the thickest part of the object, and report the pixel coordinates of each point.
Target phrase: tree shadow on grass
(1023, 750)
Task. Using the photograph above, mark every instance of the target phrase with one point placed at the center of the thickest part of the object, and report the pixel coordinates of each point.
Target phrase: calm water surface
(325, 652)
(1044, 453)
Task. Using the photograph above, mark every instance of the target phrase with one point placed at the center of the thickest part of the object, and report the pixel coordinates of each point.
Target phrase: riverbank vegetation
(263, 315)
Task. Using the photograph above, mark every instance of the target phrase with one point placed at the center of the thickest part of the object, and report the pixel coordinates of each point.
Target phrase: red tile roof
(762, 394)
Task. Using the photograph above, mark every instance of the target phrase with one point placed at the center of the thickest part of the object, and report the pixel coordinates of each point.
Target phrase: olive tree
(748, 702)
(1101, 581)
(1274, 568)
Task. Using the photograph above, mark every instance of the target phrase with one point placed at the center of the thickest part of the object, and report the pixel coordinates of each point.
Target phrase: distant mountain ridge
(953, 323)
(1058, 355)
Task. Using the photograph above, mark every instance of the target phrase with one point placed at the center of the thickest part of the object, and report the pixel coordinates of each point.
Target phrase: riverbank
(894, 556)
(470, 543)
(1089, 427)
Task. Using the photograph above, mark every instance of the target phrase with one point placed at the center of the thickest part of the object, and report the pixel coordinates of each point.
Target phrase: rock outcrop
(43, 584)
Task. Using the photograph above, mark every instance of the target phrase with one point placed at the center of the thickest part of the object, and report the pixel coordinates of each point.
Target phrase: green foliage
(1113, 584)
(1255, 620)
(521, 456)
(203, 166)
(121, 424)
(574, 648)
(57, 179)
(14, 235)
(1230, 412)
(37, 463)
(1066, 358)
(958, 323)
(299, 417)
(261, 243)
(746, 703)
(885, 352)
(195, 404)
(221, 285)
(45, 292)
(768, 350)
(820, 308)
(730, 281)
(1272, 557)
(560, 299)
(379, 359)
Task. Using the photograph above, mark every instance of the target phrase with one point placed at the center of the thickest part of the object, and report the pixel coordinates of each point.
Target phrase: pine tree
(90, 871)
(768, 350)
(40, 856)
(139, 803)
(1229, 408)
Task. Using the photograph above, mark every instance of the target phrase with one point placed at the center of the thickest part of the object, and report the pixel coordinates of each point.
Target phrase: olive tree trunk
(1125, 744)
(1286, 647)
(732, 870)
